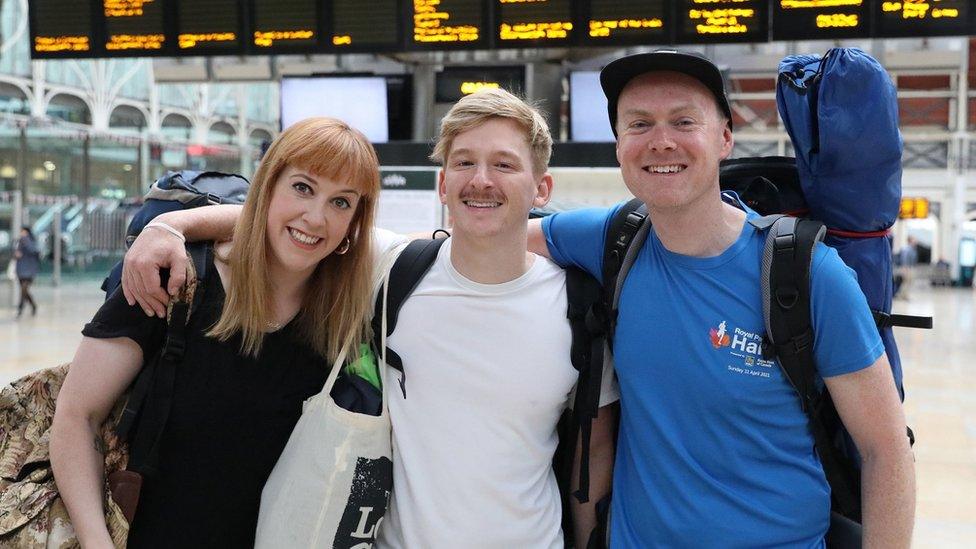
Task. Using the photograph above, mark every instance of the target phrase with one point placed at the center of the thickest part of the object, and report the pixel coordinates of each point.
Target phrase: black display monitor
(354, 25)
(714, 21)
(924, 18)
(136, 27)
(209, 27)
(453, 83)
(284, 25)
(820, 19)
(62, 28)
(448, 24)
(544, 23)
(612, 22)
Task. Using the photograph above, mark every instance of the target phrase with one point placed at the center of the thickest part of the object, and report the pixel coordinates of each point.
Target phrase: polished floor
(940, 381)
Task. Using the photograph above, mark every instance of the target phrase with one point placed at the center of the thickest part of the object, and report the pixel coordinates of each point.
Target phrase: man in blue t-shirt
(714, 449)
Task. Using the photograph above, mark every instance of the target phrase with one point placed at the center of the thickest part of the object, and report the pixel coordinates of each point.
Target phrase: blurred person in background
(28, 264)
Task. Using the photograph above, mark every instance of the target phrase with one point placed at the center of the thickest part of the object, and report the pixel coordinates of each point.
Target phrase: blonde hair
(486, 104)
(338, 299)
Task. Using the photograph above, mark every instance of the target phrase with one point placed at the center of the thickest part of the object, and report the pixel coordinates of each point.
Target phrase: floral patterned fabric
(32, 514)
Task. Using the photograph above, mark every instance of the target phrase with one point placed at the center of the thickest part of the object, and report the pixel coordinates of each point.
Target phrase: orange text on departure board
(61, 43)
(801, 4)
(603, 28)
(125, 8)
(837, 20)
(535, 31)
(919, 9)
(722, 20)
(430, 24)
(467, 88)
(190, 40)
(135, 42)
(267, 38)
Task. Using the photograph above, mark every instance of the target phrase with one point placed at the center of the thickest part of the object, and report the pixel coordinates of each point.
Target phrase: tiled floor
(940, 381)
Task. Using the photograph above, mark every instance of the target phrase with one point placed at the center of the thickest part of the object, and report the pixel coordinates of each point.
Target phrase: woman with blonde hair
(282, 296)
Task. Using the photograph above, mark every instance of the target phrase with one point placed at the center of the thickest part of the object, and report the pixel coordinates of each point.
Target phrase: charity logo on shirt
(743, 347)
(719, 337)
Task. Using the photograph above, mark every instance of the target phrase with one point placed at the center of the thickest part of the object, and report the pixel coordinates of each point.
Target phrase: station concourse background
(81, 140)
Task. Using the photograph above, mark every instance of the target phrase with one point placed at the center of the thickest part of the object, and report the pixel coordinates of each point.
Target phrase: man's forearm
(206, 223)
(888, 489)
(602, 448)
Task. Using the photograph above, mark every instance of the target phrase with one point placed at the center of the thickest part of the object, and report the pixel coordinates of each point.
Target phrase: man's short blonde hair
(479, 107)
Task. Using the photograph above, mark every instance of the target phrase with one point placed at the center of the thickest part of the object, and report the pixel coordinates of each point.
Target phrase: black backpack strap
(886, 320)
(151, 398)
(623, 228)
(408, 270)
(785, 284)
(592, 313)
(583, 292)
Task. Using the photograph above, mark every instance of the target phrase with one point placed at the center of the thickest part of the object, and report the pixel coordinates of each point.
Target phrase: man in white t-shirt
(485, 341)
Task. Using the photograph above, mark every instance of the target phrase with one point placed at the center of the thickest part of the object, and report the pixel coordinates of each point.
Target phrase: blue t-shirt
(714, 449)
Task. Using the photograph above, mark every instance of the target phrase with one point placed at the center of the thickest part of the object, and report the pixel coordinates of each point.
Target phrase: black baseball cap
(615, 76)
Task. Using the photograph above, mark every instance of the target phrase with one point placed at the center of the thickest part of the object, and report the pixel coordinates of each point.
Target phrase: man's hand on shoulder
(153, 250)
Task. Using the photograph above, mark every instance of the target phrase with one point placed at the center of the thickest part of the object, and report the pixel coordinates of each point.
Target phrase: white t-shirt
(488, 374)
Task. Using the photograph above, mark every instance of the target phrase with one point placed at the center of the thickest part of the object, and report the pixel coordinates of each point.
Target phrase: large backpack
(583, 293)
(180, 190)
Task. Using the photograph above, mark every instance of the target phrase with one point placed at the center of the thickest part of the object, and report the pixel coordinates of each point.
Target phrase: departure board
(925, 18)
(628, 22)
(134, 25)
(447, 24)
(538, 21)
(359, 25)
(284, 24)
(61, 28)
(721, 21)
(819, 19)
(65, 29)
(453, 83)
(208, 26)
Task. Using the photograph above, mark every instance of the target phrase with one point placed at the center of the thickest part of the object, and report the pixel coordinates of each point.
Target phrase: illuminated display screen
(61, 28)
(721, 21)
(135, 25)
(628, 21)
(817, 19)
(208, 26)
(284, 23)
(64, 29)
(356, 23)
(924, 17)
(446, 24)
(539, 21)
(453, 83)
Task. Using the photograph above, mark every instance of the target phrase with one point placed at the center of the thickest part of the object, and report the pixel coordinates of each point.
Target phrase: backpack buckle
(785, 243)
(597, 319)
(173, 349)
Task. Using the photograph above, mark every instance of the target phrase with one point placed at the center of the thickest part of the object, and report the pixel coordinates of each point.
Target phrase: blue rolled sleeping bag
(841, 113)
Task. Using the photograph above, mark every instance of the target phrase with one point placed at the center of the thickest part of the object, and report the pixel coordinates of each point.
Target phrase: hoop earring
(343, 247)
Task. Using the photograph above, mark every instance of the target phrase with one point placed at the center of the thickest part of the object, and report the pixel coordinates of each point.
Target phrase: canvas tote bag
(331, 485)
